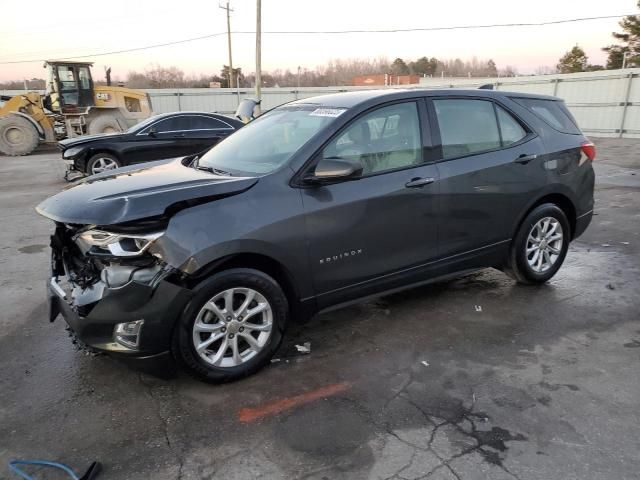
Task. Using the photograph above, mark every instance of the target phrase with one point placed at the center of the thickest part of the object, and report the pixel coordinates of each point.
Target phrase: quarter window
(553, 112)
(510, 128)
(385, 139)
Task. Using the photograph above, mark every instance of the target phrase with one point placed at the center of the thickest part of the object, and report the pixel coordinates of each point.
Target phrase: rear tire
(17, 136)
(232, 326)
(102, 162)
(105, 123)
(540, 245)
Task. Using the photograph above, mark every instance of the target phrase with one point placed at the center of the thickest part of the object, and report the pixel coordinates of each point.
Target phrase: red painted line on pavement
(251, 414)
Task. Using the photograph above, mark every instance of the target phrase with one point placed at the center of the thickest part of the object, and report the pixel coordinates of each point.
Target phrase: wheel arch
(262, 263)
(562, 200)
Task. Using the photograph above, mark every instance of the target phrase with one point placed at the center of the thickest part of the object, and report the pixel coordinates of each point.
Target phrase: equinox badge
(340, 256)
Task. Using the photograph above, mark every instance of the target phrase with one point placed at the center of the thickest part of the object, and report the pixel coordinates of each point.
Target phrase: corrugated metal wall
(605, 103)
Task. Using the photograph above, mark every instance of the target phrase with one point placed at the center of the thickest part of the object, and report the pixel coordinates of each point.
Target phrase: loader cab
(69, 87)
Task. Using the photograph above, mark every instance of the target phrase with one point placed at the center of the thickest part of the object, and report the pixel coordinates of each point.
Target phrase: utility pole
(258, 56)
(229, 10)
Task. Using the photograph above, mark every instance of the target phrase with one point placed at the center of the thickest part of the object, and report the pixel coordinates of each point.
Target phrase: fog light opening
(128, 333)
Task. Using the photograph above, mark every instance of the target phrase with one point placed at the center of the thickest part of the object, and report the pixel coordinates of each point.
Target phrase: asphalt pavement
(475, 378)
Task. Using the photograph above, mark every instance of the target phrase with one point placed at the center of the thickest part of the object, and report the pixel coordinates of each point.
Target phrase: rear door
(362, 234)
(490, 165)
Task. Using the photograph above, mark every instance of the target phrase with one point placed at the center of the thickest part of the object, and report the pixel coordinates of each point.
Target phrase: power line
(102, 54)
(339, 32)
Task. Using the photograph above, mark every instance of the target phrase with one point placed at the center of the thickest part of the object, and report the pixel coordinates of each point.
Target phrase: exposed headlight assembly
(117, 244)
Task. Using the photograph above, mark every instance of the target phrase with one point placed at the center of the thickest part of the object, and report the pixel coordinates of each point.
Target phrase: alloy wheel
(102, 164)
(544, 244)
(232, 327)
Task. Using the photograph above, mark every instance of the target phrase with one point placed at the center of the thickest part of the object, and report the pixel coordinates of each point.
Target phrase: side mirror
(153, 132)
(329, 169)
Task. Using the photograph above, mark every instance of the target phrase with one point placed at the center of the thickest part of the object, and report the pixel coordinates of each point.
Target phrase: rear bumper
(159, 307)
(582, 222)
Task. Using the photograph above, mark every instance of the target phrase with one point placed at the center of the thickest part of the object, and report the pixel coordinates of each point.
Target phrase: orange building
(384, 79)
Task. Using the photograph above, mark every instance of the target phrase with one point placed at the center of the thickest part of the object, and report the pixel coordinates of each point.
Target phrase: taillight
(589, 149)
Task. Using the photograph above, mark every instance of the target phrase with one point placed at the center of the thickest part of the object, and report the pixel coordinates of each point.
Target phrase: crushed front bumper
(158, 305)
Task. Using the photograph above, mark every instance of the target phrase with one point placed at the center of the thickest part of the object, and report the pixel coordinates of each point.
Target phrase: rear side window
(466, 126)
(208, 123)
(552, 112)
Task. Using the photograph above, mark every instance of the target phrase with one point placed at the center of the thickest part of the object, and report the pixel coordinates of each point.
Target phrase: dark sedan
(168, 135)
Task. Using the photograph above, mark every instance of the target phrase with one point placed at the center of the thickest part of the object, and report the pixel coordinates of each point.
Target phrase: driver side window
(386, 139)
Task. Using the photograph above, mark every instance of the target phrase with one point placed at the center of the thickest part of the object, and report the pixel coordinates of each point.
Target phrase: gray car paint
(464, 219)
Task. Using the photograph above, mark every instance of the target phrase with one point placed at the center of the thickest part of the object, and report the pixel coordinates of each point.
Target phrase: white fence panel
(605, 103)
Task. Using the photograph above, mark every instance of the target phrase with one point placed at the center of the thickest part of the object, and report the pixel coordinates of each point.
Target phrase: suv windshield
(270, 141)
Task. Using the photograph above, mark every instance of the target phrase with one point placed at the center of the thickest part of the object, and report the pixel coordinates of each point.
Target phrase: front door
(166, 138)
(365, 234)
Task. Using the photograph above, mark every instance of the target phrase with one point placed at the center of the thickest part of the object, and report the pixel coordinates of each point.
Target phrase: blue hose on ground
(91, 473)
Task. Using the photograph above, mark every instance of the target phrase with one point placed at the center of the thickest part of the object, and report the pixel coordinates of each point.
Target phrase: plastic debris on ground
(425, 363)
(478, 308)
(304, 348)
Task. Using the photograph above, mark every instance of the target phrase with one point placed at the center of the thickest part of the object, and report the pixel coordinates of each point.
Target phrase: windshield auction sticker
(327, 112)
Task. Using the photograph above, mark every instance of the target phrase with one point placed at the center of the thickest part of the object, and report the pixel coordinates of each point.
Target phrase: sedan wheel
(102, 164)
(232, 327)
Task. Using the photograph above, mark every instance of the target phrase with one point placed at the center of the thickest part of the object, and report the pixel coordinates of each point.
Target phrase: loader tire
(105, 124)
(17, 136)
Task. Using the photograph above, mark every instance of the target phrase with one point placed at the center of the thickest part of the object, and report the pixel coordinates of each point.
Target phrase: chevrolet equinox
(316, 204)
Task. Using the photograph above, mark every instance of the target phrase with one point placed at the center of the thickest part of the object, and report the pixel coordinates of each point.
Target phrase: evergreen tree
(575, 60)
(629, 43)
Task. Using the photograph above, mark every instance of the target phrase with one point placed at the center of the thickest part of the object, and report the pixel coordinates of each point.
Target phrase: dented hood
(138, 192)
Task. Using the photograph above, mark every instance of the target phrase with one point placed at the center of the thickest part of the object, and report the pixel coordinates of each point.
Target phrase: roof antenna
(486, 86)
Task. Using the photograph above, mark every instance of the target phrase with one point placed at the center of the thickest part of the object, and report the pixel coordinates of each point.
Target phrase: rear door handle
(419, 182)
(524, 159)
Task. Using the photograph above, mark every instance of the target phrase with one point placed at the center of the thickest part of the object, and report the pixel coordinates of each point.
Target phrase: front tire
(540, 245)
(232, 326)
(17, 136)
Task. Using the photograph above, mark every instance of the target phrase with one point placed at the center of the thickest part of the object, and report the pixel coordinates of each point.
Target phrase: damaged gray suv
(315, 204)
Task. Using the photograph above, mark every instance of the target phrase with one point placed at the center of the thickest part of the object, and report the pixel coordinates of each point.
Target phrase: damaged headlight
(118, 244)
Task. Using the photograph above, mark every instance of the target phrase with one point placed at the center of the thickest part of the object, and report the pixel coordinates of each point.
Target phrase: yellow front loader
(72, 106)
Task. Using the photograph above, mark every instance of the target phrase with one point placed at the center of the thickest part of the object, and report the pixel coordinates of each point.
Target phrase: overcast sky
(62, 29)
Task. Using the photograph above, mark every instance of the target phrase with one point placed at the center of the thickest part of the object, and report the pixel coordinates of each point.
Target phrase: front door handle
(524, 159)
(419, 182)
